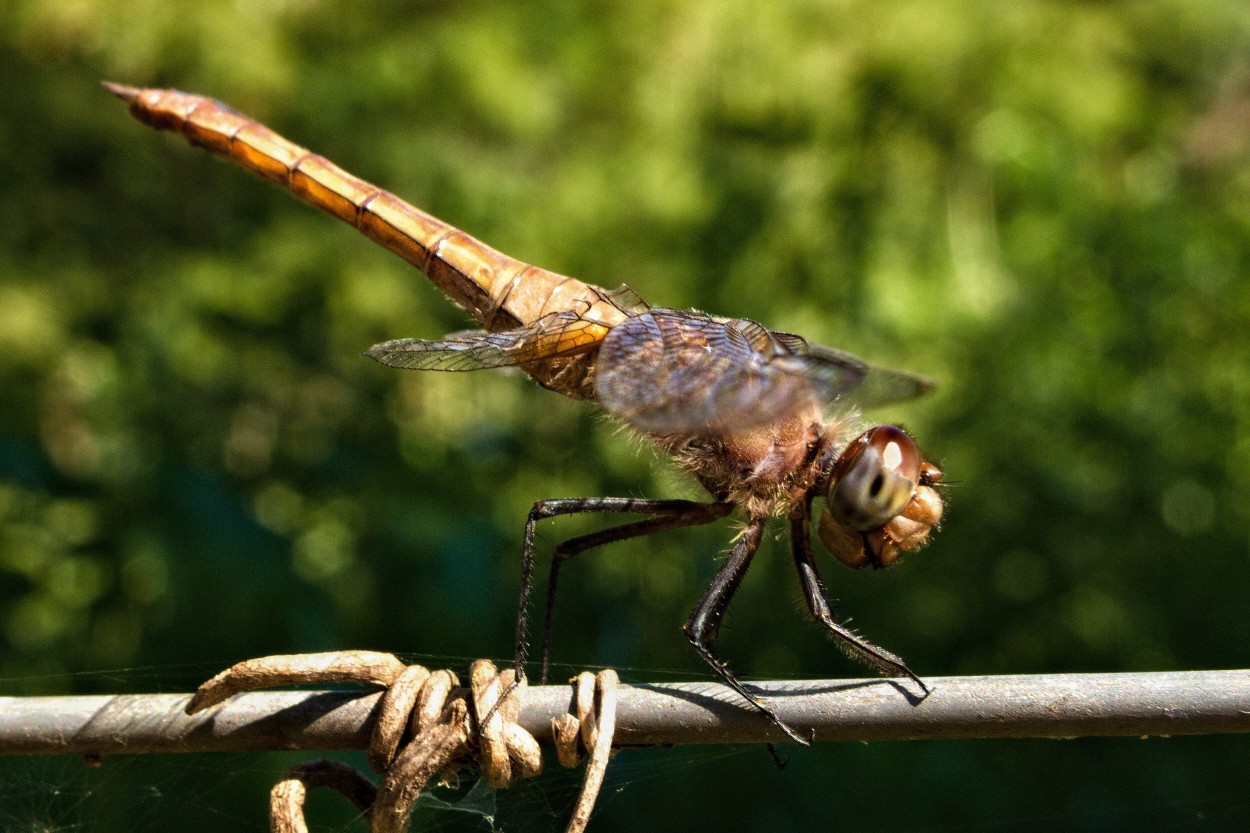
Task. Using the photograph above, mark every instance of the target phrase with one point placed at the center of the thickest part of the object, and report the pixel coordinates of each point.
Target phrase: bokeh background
(1044, 205)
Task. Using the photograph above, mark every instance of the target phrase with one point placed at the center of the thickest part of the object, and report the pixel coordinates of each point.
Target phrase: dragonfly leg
(544, 509)
(821, 607)
(672, 514)
(703, 626)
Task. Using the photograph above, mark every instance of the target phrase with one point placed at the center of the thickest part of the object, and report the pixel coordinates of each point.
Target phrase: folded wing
(558, 335)
(684, 372)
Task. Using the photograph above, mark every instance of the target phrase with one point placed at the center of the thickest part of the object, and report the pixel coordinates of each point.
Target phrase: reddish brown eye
(874, 478)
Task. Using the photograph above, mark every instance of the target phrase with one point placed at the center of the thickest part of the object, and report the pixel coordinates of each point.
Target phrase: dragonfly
(767, 422)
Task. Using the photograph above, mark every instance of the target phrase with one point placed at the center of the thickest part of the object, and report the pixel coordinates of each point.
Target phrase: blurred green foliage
(1045, 205)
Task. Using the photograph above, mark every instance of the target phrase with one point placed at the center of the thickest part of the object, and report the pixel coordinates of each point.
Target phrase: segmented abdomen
(498, 291)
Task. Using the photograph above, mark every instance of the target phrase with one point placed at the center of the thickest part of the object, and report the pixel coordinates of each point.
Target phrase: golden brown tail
(496, 290)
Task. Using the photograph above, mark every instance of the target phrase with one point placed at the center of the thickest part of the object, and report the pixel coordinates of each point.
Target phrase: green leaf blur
(1043, 205)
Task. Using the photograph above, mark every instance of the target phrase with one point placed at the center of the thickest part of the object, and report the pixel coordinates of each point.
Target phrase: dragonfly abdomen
(498, 291)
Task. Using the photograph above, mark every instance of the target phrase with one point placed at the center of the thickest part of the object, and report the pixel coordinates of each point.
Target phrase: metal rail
(1042, 706)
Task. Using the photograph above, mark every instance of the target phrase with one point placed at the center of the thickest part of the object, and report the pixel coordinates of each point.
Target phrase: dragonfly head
(880, 500)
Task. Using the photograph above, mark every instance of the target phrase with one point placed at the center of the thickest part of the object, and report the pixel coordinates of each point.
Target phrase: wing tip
(380, 352)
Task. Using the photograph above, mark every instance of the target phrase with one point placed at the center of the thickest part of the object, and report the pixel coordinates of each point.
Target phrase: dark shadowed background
(1044, 205)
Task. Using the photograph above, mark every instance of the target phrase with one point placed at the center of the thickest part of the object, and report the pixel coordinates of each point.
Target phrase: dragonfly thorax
(761, 471)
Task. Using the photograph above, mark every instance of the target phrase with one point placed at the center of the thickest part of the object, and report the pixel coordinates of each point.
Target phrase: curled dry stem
(426, 726)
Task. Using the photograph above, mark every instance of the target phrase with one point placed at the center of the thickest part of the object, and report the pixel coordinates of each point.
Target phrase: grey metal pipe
(1047, 706)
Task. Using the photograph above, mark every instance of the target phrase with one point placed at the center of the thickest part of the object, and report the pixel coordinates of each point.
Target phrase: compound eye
(874, 478)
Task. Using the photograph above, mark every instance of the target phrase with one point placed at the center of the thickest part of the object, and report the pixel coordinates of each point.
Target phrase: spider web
(228, 792)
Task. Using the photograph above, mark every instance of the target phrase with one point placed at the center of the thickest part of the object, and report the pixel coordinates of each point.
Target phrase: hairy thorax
(765, 470)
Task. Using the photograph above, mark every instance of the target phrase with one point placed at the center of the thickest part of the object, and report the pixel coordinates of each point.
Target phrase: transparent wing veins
(557, 335)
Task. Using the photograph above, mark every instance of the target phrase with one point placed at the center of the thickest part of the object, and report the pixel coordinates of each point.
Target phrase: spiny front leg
(703, 626)
(821, 608)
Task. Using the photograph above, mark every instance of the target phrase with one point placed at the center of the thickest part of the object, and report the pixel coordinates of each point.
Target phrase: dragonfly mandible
(765, 421)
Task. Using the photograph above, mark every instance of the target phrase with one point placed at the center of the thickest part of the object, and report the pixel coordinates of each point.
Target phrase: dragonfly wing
(867, 385)
(461, 353)
(627, 300)
(553, 336)
(676, 371)
(883, 386)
